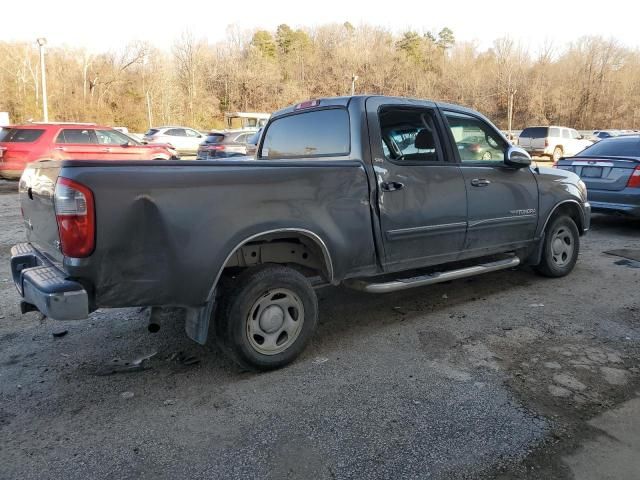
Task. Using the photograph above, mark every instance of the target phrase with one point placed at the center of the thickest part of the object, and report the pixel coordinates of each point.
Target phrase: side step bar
(437, 277)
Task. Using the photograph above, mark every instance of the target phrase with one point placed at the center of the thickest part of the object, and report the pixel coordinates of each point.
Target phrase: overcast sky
(113, 23)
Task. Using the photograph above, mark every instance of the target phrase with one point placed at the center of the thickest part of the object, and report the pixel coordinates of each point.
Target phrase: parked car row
(23, 144)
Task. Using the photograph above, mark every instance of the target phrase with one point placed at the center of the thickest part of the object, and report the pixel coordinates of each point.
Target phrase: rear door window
(409, 135)
(565, 133)
(76, 135)
(554, 132)
(319, 133)
(177, 132)
(21, 135)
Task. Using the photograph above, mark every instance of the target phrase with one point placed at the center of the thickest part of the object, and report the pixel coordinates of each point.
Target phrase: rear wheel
(557, 153)
(268, 315)
(561, 248)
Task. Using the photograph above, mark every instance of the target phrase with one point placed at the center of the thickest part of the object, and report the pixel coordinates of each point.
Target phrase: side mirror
(517, 157)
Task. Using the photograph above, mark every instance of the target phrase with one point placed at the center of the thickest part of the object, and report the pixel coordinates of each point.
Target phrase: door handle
(107, 150)
(391, 186)
(60, 149)
(480, 182)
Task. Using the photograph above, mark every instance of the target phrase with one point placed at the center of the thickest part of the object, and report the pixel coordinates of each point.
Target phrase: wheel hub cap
(562, 247)
(274, 321)
(271, 319)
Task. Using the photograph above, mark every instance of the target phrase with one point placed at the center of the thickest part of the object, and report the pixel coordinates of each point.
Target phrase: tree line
(590, 83)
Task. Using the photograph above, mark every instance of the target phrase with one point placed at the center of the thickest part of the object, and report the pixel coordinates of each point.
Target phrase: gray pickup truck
(375, 193)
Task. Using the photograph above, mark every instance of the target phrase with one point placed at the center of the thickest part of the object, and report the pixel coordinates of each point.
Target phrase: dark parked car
(225, 144)
(611, 171)
(602, 134)
(370, 192)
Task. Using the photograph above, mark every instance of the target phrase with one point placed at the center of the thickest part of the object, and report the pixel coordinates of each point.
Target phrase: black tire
(560, 249)
(557, 153)
(246, 296)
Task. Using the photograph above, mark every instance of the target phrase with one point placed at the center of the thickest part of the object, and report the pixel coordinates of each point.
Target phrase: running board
(437, 277)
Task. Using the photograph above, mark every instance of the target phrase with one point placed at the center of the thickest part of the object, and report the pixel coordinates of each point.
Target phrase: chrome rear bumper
(44, 286)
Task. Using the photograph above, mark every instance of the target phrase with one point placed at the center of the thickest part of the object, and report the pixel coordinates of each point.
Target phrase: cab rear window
(319, 133)
(22, 135)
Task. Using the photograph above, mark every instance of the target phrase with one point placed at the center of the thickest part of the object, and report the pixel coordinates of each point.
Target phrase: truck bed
(165, 229)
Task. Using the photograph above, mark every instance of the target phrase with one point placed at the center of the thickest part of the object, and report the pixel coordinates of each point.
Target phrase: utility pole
(149, 109)
(45, 114)
(353, 84)
(512, 94)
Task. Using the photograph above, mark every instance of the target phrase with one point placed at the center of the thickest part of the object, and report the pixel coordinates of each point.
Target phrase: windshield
(614, 147)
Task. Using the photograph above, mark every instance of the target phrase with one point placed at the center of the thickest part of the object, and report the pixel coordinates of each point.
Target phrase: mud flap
(196, 321)
(536, 254)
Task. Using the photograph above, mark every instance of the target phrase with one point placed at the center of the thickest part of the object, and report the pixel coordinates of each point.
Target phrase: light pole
(353, 84)
(41, 43)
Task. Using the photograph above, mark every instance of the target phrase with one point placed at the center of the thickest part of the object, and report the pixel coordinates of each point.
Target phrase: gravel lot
(490, 377)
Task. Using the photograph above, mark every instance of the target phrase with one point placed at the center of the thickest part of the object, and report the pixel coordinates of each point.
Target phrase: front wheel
(561, 248)
(268, 317)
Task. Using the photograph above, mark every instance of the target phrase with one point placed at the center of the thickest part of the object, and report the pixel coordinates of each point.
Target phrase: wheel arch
(570, 207)
(327, 270)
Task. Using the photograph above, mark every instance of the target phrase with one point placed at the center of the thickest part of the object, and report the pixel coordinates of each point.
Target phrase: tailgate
(36, 190)
(601, 173)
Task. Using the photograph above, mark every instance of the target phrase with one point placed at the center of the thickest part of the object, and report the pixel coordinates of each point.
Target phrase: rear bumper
(605, 207)
(45, 286)
(626, 201)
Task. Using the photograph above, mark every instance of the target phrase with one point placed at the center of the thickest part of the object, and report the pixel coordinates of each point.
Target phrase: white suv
(184, 140)
(553, 142)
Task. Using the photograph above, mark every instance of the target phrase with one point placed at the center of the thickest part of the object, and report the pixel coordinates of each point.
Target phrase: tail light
(546, 142)
(307, 104)
(75, 215)
(2, 149)
(634, 179)
(554, 165)
(214, 147)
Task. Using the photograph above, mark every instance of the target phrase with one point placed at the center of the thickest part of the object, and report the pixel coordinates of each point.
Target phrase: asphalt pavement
(497, 376)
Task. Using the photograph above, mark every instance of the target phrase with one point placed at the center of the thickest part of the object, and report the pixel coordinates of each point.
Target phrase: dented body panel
(164, 233)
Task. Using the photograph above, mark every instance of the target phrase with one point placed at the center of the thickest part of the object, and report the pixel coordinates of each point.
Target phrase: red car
(23, 144)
